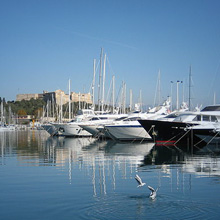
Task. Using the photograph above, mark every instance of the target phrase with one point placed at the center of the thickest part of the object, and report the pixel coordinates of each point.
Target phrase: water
(71, 178)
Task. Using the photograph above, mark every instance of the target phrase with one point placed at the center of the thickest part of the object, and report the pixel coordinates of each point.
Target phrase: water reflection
(201, 161)
(97, 177)
(36, 148)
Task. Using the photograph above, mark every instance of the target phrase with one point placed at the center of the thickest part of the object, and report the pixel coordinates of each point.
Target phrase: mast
(158, 90)
(177, 94)
(103, 83)
(79, 101)
(69, 102)
(130, 100)
(52, 106)
(140, 100)
(61, 107)
(171, 96)
(47, 109)
(190, 81)
(2, 113)
(93, 84)
(123, 96)
(113, 93)
(100, 77)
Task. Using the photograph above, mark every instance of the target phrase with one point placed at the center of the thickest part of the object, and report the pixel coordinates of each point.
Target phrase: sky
(44, 43)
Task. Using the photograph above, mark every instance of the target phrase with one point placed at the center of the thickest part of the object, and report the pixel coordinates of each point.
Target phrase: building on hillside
(81, 97)
(27, 97)
(59, 97)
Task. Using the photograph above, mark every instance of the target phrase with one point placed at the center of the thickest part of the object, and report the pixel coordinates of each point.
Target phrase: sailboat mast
(113, 93)
(69, 102)
(141, 100)
(190, 80)
(100, 77)
(131, 99)
(103, 83)
(124, 97)
(93, 84)
(2, 113)
(158, 90)
(61, 107)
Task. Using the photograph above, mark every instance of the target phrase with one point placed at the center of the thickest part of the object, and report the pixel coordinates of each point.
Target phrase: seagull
(153, 192)
(140, 183)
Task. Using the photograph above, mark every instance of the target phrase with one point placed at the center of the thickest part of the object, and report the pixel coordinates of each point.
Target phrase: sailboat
(3, 126)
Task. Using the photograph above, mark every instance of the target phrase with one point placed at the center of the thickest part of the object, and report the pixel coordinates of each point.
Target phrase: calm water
(71, 178)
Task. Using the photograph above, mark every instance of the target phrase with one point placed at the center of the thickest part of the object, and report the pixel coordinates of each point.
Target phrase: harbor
(109, 110)
(44, 177)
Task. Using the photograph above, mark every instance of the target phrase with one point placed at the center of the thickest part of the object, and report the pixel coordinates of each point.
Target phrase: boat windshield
(133, 119)
(174, 115)
(211, 108)
(211, 118)
(185, 117)
(120, 119)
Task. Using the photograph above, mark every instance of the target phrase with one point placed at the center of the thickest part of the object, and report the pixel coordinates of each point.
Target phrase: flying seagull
(153, 192)
(140, 183)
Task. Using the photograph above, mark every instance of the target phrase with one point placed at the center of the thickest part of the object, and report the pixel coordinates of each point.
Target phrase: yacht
(130, 129)
(72, 128)
(96, 122)
(182, 129)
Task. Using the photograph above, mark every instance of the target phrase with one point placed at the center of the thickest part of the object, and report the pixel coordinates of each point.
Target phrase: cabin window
(198, 118)
(79, 112)
(213, 118)
(206, 118)
(94, 119)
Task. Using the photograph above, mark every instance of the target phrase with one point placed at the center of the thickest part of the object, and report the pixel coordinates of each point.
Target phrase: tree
(22, 112)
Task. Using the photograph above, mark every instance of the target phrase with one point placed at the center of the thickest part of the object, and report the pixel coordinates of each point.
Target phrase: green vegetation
(32, 107)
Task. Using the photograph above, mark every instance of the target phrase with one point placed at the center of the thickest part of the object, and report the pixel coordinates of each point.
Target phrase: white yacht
(187, 126)
(130, 129)
(72, 128)
(95, 122)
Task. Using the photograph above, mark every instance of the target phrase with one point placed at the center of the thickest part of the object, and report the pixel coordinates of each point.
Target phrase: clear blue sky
(43, 43)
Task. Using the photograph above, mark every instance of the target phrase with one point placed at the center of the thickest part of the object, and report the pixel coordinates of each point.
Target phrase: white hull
(128, 132)
(73, 129)
(92, 125)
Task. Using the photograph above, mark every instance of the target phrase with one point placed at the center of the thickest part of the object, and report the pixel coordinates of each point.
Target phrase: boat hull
(167, 132)
(127, 132)
(73, 130)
